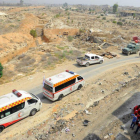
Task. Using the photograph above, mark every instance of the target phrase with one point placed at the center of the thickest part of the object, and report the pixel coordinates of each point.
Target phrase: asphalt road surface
(96, 69)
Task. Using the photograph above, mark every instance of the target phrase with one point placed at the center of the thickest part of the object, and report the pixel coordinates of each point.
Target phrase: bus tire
(33, 112)
(87, 64)
(79, 87)
(1, 128)
(60, 97)
(101, 62)
(128, 53)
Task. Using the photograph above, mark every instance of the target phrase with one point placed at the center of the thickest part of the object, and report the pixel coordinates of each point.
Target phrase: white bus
(59, 85)
(16, 106)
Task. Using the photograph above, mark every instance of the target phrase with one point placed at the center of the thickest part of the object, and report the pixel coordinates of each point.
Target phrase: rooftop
(59, 77)
(11, 98)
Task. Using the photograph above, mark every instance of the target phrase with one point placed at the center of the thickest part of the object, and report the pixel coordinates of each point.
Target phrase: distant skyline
(135, 3)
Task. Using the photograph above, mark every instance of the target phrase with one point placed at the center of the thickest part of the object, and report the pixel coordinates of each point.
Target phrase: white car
(90, 59)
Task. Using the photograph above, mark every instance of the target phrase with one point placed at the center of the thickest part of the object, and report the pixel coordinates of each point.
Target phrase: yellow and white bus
(58, 86)
(16, 106)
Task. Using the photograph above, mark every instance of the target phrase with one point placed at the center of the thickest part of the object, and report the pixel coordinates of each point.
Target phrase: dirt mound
(55, 35)
(30, 22)
(13, 44)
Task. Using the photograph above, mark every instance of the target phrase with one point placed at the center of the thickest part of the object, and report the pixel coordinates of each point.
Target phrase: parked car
(131, 48)
(89, 58)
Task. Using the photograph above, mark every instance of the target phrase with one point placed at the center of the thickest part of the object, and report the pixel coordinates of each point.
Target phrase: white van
(59, 85)
(16, 106)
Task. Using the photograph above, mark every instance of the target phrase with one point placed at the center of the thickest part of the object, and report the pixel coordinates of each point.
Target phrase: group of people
(136, 118)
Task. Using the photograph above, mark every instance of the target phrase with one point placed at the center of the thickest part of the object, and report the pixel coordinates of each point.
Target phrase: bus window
(18, 107)
(1, 115)
(47, 87)
(70, 82)
(7, 112)
(80, 78)
(31, 101)
(59, 87)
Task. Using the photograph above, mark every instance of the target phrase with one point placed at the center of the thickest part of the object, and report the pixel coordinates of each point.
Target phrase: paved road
(96, 69)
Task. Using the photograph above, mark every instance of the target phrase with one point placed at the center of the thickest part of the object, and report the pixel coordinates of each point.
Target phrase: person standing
(133, 121)
(137, 128)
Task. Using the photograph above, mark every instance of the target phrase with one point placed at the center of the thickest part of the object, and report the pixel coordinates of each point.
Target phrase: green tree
(1, 69)
(134, 15)
(119, 23)
(115, 8)
(65, 5)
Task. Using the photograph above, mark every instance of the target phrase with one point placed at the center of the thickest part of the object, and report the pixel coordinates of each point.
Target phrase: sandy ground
(36, 79)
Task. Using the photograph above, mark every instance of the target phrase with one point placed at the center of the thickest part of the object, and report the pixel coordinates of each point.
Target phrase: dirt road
(96, 70)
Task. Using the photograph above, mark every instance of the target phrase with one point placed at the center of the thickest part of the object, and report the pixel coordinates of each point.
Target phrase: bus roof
(9, 100)
(60, 78)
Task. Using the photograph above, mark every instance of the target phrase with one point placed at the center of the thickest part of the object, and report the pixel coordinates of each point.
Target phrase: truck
(131, 48)
(89, 59)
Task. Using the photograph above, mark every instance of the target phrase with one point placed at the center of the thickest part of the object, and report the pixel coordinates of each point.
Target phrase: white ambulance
(16, 106)
(59, 85)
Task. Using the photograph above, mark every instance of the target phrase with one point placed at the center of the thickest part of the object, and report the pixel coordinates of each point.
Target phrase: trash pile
(109, 55)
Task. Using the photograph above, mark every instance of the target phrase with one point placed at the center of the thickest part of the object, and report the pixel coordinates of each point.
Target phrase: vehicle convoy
(131, 48)
(16, 106)
(58, 86)
(89, 59)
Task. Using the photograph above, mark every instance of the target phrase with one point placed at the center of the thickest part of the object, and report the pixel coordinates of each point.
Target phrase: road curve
(97, 69)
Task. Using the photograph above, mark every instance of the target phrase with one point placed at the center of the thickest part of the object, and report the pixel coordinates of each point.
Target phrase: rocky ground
(85, 33)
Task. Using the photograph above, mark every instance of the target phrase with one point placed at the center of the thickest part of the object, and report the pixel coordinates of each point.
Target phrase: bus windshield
(47, 87)
(33, 95)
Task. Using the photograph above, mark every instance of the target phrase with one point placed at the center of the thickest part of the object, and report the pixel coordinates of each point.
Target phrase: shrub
(57, 16)
(81, 30)
(1, 69)
(104, 18)
(70, 38)
(114, 21)
(61, 48)
(102, 14)
(119, 23)
(33, 33)
(98, 17)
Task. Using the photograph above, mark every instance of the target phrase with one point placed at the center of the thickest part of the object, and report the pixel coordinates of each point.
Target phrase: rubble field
(60, 35)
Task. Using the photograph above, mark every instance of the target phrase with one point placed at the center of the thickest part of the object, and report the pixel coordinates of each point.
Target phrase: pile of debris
(109, 55)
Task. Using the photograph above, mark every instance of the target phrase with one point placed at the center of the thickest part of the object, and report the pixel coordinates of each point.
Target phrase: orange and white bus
(16, 106)
(60, 85)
